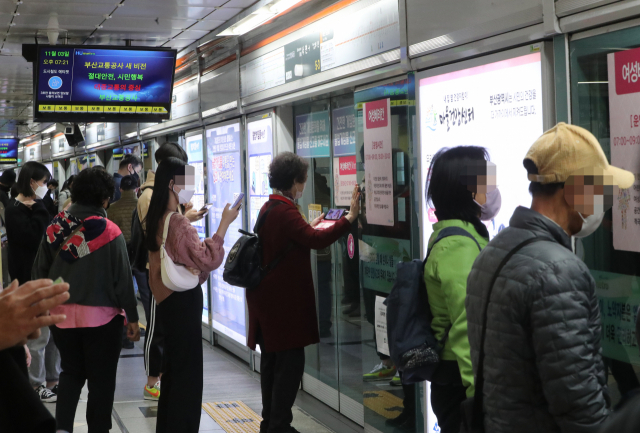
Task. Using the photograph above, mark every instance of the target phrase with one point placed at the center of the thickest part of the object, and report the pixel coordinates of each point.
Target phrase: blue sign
(8, 150)
(343, 124)
(224, 180)
(313, 135)
(55, 82)
(94, 77)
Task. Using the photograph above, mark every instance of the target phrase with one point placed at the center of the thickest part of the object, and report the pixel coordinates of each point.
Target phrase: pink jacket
(184, 247)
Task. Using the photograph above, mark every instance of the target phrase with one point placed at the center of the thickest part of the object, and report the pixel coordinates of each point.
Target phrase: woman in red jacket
(282, 309)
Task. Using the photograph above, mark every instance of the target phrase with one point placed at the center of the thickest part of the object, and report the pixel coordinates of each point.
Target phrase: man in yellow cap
(533, 317)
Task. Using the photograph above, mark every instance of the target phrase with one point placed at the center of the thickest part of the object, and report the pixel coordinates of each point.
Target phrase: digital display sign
(467, 107)
(84, 83)
(8, 150)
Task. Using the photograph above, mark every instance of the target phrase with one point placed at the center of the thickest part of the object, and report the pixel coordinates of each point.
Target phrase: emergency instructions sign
(378, 166)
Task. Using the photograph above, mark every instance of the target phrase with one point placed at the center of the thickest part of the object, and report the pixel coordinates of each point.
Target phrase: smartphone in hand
(238, 200)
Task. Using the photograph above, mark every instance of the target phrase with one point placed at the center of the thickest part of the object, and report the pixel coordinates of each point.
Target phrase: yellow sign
(47, 108)
(63, 108)
(111, 109)
(143, 110)
(79, 108)
(127, 109)
(159, 110)
(96, 109)
(315, 210)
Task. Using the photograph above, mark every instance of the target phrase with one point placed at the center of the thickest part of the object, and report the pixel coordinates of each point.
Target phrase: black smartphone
(334, 214)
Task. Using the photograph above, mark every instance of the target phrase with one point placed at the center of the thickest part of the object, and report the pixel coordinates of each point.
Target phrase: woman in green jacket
(459, 189)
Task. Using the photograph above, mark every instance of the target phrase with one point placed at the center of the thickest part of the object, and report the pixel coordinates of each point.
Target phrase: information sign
(312, 135)
(260, 149)
(8, 150)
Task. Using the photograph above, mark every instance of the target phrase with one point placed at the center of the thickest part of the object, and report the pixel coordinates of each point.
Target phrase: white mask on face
(299, 193)
(589, 224)
(490, 209)
(184, 196)
(40, 191)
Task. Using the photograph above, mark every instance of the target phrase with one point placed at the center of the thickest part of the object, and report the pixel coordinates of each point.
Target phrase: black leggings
(180, 402)
(88, 355)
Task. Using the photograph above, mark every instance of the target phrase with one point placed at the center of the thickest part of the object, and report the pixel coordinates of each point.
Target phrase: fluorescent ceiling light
(131, 134)
(593, 82)
(24, 140)
(258, 17)
(49, 129)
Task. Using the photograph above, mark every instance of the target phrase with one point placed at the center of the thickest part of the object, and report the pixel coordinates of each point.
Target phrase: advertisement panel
(343, 126)
(498, 106)
(334, 41)
(313, 135)
(378, 162)
(624, 121)
(195, 153)
(344, 178)
(260, 150)
(224, 180)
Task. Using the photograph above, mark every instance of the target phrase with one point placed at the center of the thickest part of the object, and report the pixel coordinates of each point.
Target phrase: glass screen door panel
(616, 271)
(386, 234)
(312, 137)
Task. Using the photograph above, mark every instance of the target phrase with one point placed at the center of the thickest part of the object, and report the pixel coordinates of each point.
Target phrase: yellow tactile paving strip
(233, 416)
(383, 403)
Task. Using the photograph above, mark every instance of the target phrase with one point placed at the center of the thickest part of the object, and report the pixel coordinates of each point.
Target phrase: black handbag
(473, 408)
(243, 267)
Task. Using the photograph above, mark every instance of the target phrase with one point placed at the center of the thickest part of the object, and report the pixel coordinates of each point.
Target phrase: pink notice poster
(344, 175)
(378, 166)
(624, 112)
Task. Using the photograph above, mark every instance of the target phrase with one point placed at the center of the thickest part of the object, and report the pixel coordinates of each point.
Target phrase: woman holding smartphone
(180, 313)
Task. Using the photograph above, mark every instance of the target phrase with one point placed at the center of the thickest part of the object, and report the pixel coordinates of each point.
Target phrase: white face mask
(589, 224)
(490, 209)
(40, 191)
(299, 193)
(184, 196)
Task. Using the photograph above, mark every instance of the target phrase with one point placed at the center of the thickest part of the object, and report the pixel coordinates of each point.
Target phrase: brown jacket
(121, 211)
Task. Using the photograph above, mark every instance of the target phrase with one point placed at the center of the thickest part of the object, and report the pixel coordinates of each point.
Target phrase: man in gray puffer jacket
(543, 369)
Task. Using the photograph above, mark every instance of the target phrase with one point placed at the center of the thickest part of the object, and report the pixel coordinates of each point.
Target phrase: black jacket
(543, 363)
(25, 230)
(4, 195)
(52, 208)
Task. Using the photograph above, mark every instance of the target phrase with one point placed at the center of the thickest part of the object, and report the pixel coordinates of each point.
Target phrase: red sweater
(184, 247)
(283, 306)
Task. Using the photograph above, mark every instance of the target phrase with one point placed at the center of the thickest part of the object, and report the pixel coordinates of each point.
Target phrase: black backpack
(138, 253)
(412, 346)
(243, 267)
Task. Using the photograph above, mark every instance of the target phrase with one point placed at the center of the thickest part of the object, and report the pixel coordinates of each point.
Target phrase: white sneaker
(46, 395)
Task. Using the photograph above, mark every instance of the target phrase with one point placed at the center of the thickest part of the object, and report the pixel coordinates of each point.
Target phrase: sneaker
(380, 372)
(152, 393)
(55, 390)
(46, 395)
(396, 381)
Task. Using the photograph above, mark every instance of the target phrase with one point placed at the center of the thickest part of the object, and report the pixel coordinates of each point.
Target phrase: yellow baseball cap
(564, 150)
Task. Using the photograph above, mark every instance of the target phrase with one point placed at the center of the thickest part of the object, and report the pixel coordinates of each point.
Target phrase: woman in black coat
(26, 220)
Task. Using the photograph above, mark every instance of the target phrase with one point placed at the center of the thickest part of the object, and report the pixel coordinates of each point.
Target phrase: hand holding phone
(238, 200)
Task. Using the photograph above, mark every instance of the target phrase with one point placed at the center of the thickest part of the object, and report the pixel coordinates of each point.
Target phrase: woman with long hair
(65, 192)
(180, 312)
(461, 191)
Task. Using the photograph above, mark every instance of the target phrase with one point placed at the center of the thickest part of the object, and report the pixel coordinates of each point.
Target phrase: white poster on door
(378, 166)
(624, 100)
(344, 178)
(381, 326)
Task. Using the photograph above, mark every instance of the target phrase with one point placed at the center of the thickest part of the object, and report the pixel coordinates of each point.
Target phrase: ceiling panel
(239, 3)
(65, 9)
(192, 35)
(207, 25)
(138, 25)
(224, 13)
(75, 22)
(160, 11)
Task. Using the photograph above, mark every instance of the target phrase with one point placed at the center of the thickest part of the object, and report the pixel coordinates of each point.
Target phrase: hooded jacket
(543, 367)
(94, 261)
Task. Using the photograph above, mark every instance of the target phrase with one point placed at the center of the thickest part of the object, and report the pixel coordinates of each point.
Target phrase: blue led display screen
(75, 83)
(8, 150)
